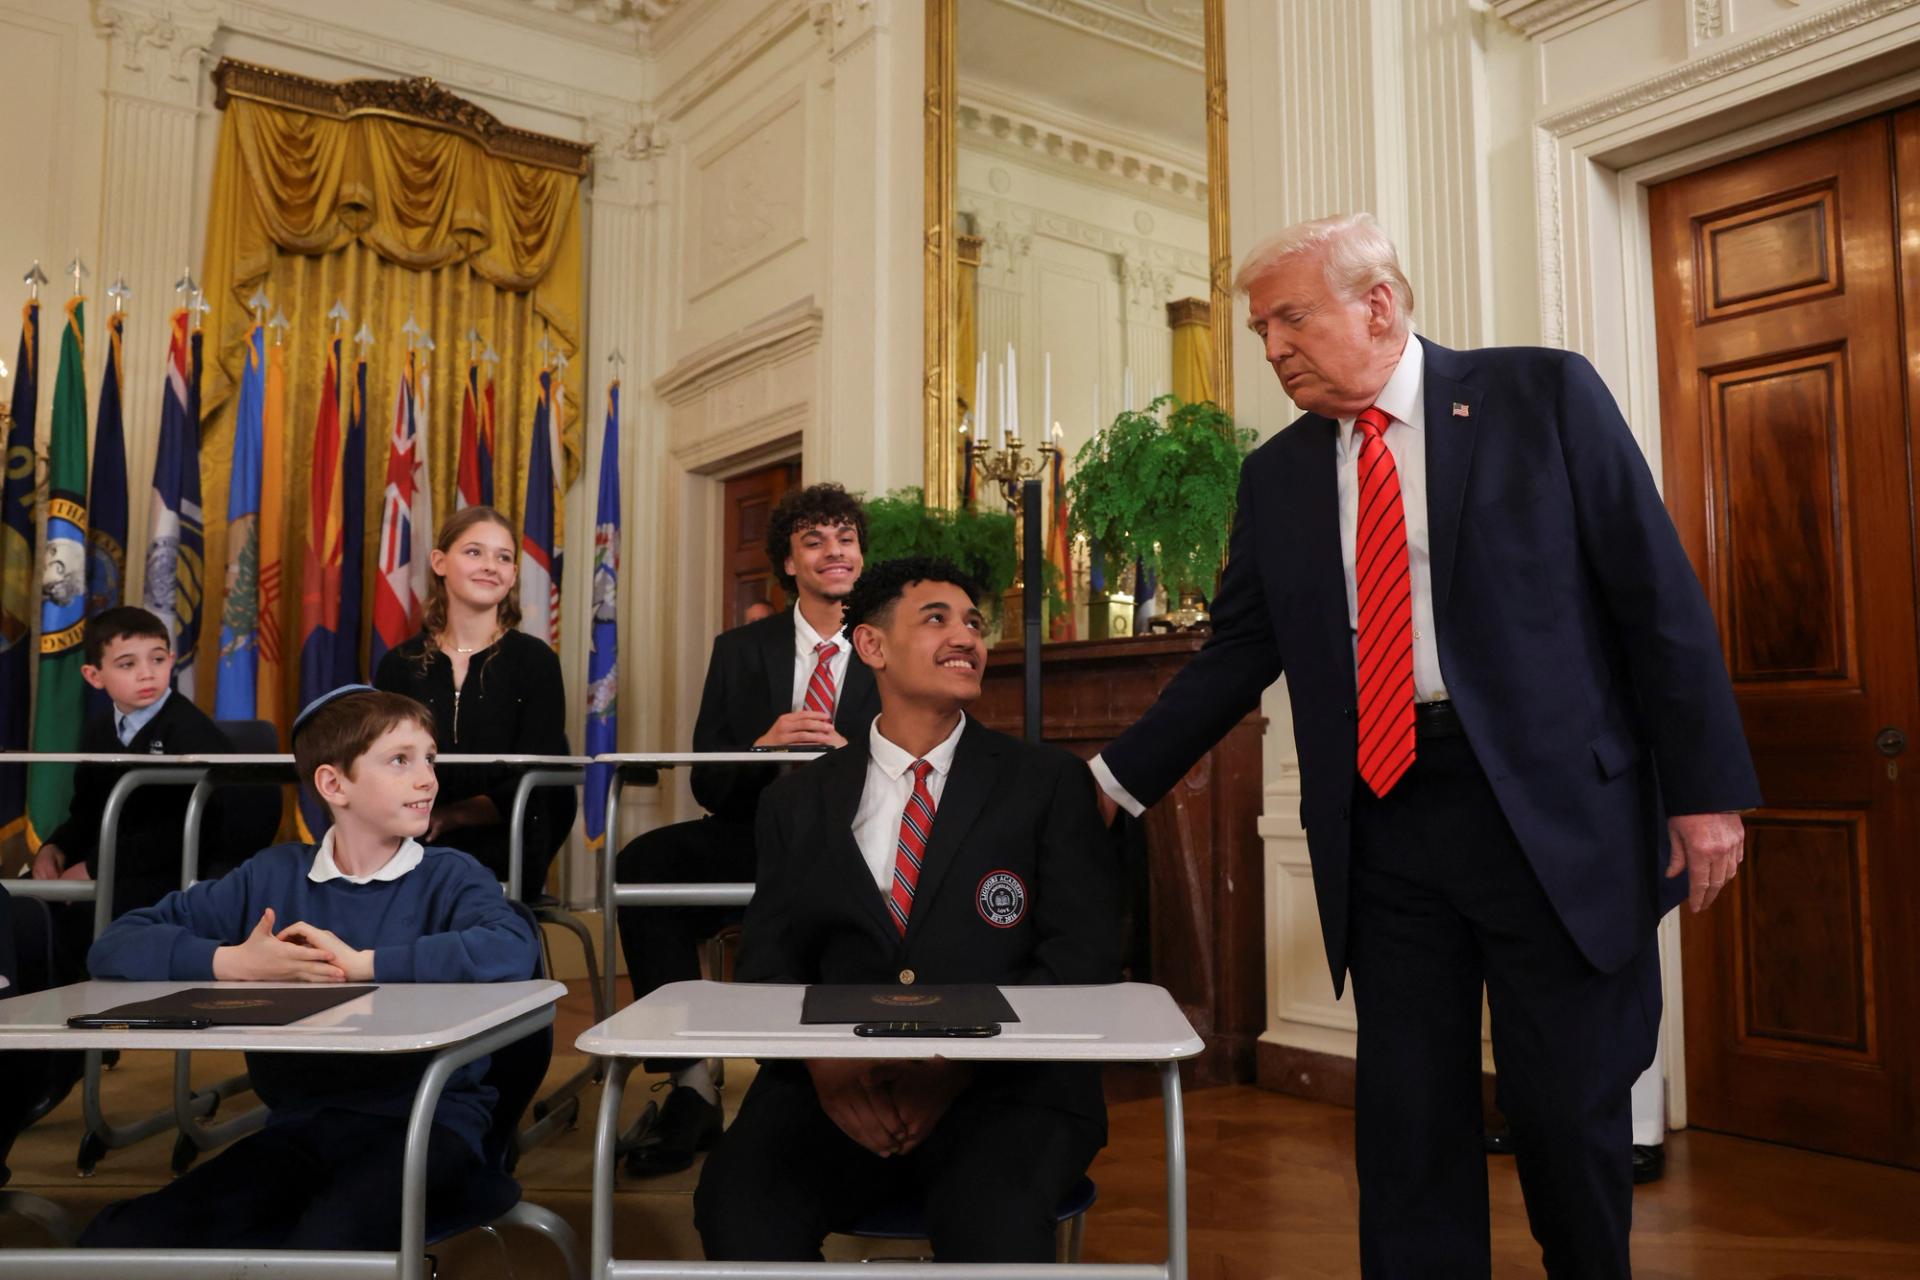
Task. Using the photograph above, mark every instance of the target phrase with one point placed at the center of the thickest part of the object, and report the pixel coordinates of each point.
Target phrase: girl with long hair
(494, 690)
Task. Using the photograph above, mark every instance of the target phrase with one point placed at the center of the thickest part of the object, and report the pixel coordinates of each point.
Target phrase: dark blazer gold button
(906, 977)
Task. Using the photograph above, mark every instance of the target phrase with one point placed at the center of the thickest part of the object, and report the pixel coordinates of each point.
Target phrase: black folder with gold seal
(934, 1005)
(224, 1007)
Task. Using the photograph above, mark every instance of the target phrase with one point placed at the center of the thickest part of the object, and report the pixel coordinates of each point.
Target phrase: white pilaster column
(1003, 307)
(157, 52)
(1145, 290)
(875, 76)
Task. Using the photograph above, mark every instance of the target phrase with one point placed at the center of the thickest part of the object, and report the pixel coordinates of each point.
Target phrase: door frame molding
(1593, 165)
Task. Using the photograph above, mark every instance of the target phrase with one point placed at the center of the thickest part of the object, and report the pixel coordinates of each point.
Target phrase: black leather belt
(1436, 720)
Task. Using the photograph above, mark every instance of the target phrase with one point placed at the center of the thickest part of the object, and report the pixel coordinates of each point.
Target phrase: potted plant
(984, 543)
(1158, 486)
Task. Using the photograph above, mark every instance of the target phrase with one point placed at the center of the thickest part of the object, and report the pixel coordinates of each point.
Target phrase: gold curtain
(966, 306)
(393, 219)
(1191, 320)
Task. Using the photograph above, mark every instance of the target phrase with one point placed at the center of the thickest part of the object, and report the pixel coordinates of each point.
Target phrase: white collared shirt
(1403, 400)
(324, 868)
(127, 725)
(805, 641)
(876, 823)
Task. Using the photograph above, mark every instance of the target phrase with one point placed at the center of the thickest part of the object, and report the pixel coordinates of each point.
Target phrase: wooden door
(750, 500)
(1786, 428)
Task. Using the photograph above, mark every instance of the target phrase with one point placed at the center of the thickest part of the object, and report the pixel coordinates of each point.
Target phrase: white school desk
(457, 1022)
(642, 768)
(1127, 1022)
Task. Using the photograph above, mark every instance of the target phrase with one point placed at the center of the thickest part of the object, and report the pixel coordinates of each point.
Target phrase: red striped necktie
(1384, 590)
(820, 691)
(916, 828)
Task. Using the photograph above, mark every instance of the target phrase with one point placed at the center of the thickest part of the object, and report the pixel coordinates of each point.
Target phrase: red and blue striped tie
(1384, 590)
(820, 690)
(916, 826)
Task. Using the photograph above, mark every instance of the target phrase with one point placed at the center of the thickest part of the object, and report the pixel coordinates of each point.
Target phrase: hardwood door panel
(1783, 251)
(749, 501)
(1805, 964)
(1783, 395)
(1782, 575)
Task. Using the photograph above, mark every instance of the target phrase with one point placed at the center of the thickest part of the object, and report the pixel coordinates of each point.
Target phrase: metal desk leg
(101, 1136)
(605, 1134)
(190, 1109)
(1174, 1114)
(609, 926)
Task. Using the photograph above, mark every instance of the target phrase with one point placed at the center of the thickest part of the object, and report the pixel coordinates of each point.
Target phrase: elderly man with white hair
(1518, 741)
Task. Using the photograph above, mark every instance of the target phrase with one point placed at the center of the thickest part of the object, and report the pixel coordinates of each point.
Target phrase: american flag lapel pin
(1460, 410)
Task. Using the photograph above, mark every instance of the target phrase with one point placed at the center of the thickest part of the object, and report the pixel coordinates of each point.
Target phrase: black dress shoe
(688, 1123)
(1649, 1163)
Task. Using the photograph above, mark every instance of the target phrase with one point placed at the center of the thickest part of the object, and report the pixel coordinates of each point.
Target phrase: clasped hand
(300, 952)
(802, 728)
(888, 1107)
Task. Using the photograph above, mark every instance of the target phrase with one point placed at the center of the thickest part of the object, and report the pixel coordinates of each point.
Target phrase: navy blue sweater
(444, 921)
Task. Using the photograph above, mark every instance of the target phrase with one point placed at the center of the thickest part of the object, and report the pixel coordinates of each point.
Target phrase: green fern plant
(1159, 487)
(901, 523)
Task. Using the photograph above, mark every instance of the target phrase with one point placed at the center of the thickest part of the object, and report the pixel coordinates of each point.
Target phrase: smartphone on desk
(109, 1022)
(924, 1029)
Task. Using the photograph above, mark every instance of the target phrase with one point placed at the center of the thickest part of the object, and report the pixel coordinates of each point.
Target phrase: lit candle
(1000, 422)
(1046, 393)
(1013, 392)
(980, 393)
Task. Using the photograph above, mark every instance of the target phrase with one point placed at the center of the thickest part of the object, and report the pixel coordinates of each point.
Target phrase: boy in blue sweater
(369, 904)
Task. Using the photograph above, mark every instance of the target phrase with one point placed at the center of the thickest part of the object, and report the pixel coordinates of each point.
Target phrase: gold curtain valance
(422, 178)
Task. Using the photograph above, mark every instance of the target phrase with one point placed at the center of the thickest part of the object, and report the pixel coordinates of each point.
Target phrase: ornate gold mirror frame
(943, 249)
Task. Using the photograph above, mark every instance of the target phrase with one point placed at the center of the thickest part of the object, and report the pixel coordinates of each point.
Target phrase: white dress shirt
(805, 640)
(876, 823)
(324, 868)
(127, 725)
(1403, 400)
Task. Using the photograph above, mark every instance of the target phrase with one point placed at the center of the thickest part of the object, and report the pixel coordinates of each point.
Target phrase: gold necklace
(491, 641)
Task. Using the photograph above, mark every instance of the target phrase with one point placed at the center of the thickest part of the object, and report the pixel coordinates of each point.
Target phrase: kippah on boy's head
(120, 623)
(337, 728)
(916, 621)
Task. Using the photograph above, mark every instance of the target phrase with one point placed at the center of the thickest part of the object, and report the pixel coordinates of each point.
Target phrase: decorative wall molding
(158, 48)
(1531, 17)
(745, 196)
(1778, 42)
(594, 22)
(997, 121)
(766, 341)
(1153, 32)
(268, 23)
(847, 26)
(1709, 20)
(1010, 223)
(420, 99)
(753, 39)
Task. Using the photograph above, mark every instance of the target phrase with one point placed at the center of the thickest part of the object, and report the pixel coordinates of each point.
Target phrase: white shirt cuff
(1111, 785)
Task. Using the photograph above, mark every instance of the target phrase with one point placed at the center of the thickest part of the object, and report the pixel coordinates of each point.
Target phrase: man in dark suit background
(1515, 728)
(931, 850)
(785, 681)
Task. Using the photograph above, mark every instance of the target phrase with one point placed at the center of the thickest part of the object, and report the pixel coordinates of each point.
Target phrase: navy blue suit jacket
(1574, 640)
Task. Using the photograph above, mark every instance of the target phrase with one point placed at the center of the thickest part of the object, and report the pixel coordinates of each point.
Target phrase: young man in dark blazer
(786, 681)
(929, 850)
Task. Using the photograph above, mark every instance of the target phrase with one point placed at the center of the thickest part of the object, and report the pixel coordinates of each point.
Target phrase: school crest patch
(1002, 899)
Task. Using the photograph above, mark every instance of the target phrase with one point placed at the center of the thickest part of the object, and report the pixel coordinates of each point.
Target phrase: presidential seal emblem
(1002, 899)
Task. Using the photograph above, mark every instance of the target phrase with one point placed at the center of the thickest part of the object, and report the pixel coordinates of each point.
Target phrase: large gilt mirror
(1077, 249)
